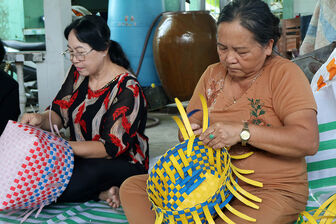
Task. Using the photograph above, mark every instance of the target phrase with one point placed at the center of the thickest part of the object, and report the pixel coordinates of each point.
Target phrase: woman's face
(238, 51)
(86, 60)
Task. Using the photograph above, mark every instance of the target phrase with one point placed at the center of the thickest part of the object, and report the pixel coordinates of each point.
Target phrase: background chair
(290, 40)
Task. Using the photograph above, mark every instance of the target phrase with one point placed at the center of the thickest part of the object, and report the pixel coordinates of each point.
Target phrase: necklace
(107, 84)
(234, 100)
(249, 86)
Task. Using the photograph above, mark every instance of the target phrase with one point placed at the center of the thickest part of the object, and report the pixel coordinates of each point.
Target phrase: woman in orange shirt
(257, 102)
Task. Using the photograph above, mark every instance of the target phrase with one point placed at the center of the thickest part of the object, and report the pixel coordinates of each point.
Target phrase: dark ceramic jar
(184, 45)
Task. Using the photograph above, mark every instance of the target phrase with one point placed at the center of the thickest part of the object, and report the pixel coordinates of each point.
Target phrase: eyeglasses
(80, 55)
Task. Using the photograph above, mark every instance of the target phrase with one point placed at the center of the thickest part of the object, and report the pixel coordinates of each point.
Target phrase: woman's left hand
(222, 134)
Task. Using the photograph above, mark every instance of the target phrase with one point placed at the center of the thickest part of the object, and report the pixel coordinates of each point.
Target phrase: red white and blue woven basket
(36, 167)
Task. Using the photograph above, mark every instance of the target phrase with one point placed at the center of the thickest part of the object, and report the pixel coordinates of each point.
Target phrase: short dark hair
(94, 31)
(2, 51)
(255, 16)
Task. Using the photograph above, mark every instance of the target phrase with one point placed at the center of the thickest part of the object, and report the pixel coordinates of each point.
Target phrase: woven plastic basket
(36, 167)
(192, 183)
(325, 214)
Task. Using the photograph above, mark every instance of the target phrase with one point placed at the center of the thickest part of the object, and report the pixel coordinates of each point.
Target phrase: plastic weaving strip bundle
(36, 167)
(325, 214)
(192, 183)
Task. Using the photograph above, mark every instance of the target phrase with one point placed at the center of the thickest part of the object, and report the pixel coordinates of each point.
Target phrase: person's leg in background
(90, 177)
(135, 202)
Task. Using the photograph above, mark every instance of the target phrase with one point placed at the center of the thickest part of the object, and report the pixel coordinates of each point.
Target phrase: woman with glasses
(104, 107)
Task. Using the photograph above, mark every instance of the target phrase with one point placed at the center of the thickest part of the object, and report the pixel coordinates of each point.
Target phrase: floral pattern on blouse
(215, 87)
(257, 112)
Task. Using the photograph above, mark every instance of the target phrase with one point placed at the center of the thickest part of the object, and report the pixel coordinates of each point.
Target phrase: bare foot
(111, 196)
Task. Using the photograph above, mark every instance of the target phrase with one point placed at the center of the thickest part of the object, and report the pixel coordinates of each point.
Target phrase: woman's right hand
(197, 129)
(34, 119)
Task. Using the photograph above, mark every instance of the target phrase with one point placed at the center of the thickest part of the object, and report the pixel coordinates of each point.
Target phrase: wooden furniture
(19, 57)
(290, 41)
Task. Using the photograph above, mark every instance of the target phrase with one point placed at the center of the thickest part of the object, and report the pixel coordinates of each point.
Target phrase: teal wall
(33, 11)
(288, 9)
(195, 5)
(172, 5)
(11, 20)
(17, 15)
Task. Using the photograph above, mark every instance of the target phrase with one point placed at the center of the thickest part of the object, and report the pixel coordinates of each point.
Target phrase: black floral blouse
(115, 115)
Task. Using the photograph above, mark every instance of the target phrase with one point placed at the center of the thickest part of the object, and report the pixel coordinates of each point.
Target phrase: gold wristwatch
(245, 134)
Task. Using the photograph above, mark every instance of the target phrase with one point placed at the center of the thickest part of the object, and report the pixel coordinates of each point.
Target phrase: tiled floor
(162, 136)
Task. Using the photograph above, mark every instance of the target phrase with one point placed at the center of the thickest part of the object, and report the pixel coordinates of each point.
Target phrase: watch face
(245, 135)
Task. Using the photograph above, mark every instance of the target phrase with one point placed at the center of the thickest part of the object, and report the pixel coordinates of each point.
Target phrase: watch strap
(245, 128)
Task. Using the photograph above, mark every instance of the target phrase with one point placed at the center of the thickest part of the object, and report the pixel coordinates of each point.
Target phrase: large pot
(184, 44)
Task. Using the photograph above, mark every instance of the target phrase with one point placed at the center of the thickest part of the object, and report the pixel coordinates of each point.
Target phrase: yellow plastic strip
(159, 189)
(239, 214)
(183, 218)
(210, 155)
(241, 170)
(331, 211)
(162, 200)
(218, 162)
(171, 219)
(243, 156)
(190, 145)
(181, 127)
(247, 180)
(184, 117)
(224, 174)
(169, 172)
(325, 218)
(177, 166)
(244, 192)
(156, 197)
(159, 173)
(329, 215)
(310, 218)
(241, 198)
(184, 160)
(196, 217)
(222, 215)
(205, 112)
(324, 205)
(208, 215)
(159, 218)
(222, 195)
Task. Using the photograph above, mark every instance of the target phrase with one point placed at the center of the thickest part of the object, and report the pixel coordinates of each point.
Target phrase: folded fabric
(95, 212)
(322, 28)
(321, 167)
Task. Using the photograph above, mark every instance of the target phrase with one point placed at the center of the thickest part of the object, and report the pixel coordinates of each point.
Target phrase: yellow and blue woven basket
(192, 183)
(325, 214)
